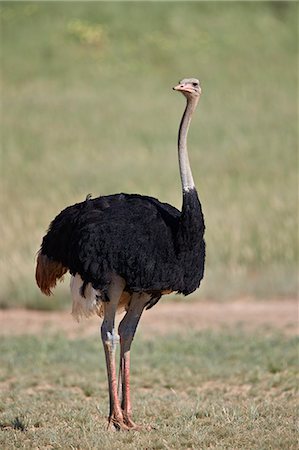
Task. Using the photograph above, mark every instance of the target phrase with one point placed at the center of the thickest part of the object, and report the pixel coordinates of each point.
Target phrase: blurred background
(87, 107)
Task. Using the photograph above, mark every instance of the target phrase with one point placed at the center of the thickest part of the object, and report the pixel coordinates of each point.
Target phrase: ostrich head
(190, 87)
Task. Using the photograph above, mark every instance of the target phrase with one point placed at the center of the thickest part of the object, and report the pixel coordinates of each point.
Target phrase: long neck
(189, 238)
(185, 169)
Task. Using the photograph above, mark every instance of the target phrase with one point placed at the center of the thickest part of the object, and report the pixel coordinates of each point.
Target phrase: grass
(225, 389)
(87, 107)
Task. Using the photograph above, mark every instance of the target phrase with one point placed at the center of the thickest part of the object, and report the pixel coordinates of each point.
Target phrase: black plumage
(150, 244)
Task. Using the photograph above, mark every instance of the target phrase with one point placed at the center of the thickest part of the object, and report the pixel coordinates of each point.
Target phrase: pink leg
(127, 329)
(115, 412)
(110, 340)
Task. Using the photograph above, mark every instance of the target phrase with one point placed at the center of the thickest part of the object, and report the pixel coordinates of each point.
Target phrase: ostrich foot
(116, 423)
(134, 427)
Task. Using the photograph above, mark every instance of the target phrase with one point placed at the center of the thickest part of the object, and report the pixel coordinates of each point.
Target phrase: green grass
(225, 389)
(87, 107)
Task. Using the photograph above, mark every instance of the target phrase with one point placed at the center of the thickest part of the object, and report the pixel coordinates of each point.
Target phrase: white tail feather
(84, 306)
(92, 302)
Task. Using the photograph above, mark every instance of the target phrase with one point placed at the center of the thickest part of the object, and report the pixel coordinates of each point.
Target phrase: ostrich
(124, 252)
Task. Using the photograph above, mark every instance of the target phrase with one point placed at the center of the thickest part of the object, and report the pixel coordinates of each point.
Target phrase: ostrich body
(125, 251)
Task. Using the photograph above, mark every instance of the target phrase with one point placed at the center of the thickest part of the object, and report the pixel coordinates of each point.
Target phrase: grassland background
(87, 107)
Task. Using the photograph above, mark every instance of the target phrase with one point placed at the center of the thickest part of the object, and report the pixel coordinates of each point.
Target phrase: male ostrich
(124, 251)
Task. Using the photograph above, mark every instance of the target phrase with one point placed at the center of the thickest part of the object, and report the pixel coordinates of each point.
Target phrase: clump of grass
(18, 424)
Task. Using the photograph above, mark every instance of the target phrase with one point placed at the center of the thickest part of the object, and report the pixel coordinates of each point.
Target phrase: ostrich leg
(110, 340)
(126, 329)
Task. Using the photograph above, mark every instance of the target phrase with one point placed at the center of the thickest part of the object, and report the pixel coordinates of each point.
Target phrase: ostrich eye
(195, 84)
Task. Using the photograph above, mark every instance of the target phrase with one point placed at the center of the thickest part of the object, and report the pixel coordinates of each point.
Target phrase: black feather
(152, 245)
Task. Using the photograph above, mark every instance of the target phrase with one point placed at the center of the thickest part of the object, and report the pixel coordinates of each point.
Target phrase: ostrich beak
(184, 88)
(178, 87)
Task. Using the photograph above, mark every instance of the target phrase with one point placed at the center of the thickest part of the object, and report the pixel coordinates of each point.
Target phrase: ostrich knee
(110, 338)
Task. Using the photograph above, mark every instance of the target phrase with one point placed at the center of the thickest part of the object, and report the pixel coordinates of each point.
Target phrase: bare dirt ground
(166, 317)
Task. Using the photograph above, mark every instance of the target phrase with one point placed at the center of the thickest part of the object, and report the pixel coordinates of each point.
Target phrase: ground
(166, 318)
(205, 375)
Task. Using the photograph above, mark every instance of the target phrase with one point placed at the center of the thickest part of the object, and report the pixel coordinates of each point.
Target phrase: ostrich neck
(189, 238)
(184, 164)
